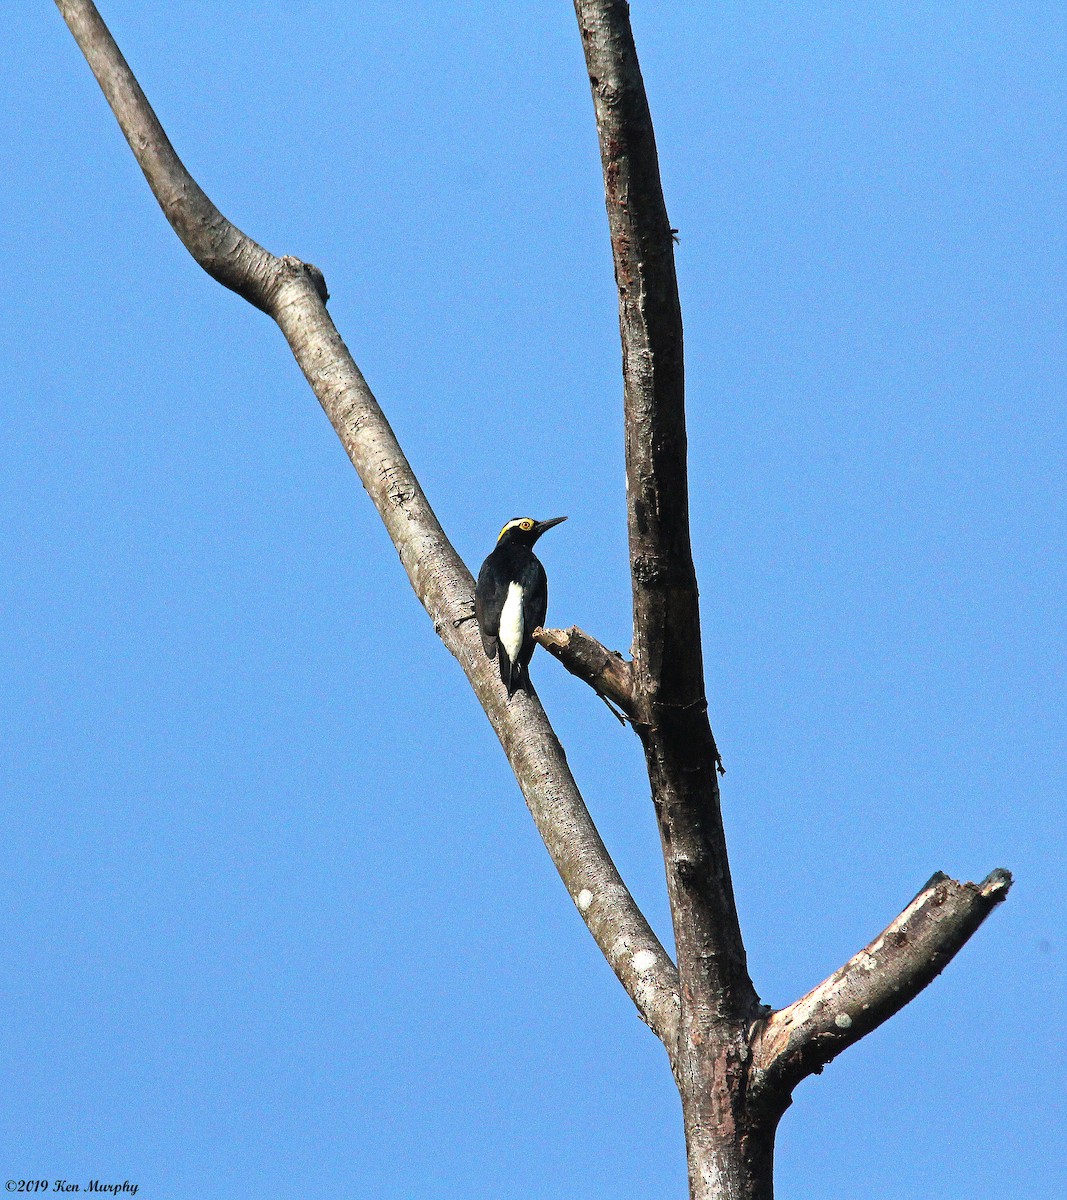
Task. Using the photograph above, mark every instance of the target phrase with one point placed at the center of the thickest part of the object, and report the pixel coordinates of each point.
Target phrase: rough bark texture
(719, 1002)
(736, 1064)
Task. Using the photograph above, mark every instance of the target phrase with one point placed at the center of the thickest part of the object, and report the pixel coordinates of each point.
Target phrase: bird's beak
(542, 526)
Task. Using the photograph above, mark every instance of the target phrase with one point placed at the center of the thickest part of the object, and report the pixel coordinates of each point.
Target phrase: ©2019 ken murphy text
(27, 1186)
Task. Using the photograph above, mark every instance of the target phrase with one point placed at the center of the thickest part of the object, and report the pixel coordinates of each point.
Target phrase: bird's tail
(513, 675)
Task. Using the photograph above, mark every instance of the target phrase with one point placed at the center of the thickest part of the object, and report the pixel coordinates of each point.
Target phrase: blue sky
(277, 922)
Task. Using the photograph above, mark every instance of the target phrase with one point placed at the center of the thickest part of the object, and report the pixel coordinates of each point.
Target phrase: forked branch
(294, 295)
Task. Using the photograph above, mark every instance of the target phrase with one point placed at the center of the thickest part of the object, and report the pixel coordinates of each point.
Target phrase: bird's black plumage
(513, 589)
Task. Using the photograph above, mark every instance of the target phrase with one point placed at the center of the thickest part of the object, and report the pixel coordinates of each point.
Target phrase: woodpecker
(511, 599)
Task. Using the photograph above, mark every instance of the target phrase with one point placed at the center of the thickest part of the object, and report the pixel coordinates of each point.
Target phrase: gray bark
(294, 295)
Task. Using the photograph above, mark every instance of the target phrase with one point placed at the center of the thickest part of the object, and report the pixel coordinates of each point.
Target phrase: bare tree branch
(873, 985)
(293, 294)
(668, 702)
(667, 650)
(606, 671)
(227, 254)
(735, 1065)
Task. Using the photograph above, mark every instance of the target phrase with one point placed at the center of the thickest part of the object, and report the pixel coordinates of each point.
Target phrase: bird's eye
(527, 524)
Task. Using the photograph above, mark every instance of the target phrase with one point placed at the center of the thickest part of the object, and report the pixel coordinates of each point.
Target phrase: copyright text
(29, 1186)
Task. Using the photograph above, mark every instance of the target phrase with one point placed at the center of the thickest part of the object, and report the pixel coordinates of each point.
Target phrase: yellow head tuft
(523, 523)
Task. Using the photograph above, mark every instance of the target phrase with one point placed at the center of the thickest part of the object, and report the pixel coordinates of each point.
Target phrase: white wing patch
(511, 622)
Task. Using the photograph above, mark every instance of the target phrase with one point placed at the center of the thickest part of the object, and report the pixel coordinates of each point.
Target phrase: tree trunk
(730, 1155)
